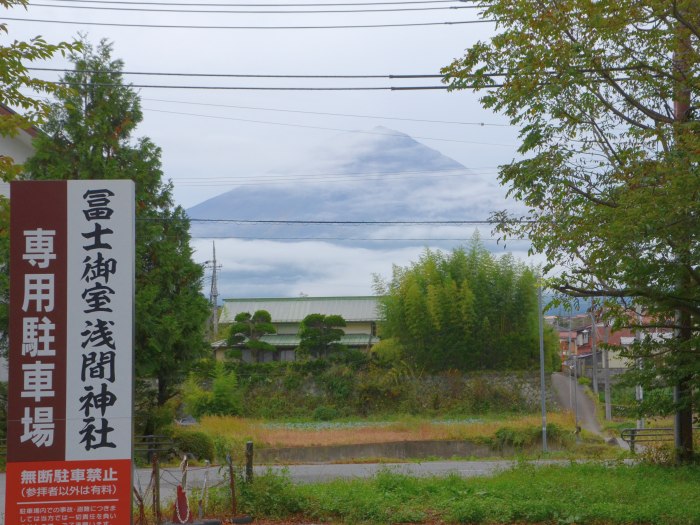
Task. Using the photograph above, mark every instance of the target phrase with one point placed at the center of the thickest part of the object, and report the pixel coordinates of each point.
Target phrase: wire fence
(158, 493)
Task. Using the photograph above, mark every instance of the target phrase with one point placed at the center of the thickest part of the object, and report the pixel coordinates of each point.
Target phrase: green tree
(465, 310)
(89, 135)
(222, 398)
(320, 334)
(248, 329)
(15, 82)
(605, 95)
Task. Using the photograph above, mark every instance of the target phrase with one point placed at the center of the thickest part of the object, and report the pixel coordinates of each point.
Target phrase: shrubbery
(197, 444)
(332, 390)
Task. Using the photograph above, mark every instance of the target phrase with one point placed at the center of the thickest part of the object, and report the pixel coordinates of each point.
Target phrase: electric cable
(259, 88)
(235, 75)
(338, 222)
(403, 2)
(326, 113)
(305, 126)
(324, 177)
(175, 26)
(351, 239)
(248, 12)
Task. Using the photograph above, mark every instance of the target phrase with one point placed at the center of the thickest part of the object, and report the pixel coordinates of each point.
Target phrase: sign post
(69, 449)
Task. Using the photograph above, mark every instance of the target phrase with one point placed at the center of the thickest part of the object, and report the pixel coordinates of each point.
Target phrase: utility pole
(606, 367)
(574, 360)
(594, 353)
(542, 380)
(639, 391)
(213, 292)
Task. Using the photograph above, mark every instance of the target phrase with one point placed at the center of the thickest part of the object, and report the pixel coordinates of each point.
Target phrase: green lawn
(574, 494)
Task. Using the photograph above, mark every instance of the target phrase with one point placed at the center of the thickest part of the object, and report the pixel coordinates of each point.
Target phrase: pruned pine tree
(320, 335)
(247, 330)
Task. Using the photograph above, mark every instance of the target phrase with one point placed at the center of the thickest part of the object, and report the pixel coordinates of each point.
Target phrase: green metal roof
(294, 309)
(292, 341)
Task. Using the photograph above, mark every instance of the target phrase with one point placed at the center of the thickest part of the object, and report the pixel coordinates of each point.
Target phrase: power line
(380, 173)
(348, 239)
(338, 222)
(281, 181)
(319, 178)
(326, 114)
(262, 5)
(250, 11)
(219, 117)
(258, 88)
(165, 26)
(235, 75)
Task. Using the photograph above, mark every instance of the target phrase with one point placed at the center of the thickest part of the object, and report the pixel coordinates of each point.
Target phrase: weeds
(575, 494)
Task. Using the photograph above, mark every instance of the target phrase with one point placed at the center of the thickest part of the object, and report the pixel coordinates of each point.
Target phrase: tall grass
(575, 494)
(238, 430)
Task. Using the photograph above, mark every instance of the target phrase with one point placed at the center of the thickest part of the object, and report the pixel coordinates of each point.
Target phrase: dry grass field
(356, 432)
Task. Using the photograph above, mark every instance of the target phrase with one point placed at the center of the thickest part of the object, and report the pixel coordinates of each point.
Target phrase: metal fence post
(156, 488)
(249, 461)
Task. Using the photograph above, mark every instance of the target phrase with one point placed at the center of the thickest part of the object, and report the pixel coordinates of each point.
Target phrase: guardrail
(647, 435)
(153, 444)
(147, 445)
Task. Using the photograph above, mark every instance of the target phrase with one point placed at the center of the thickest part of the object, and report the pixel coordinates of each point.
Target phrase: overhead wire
(284, 4)
(187, 26)
(364, 132)
(405, 119)
(257, 88)
(250, 11)
(320, 177)
(350, 239)
(443, 222)
(237, 75)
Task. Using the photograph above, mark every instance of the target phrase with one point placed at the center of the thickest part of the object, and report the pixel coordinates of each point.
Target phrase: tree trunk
(682, 390)
(682, 395)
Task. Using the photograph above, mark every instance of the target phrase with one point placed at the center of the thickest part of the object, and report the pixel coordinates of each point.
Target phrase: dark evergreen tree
(89, 135)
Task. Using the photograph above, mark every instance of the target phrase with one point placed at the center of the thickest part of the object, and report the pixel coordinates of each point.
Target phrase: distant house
(360, 313)
(577, 335)
(19, 148)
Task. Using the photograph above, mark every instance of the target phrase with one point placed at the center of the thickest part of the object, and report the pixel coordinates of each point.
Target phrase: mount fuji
(366, 176)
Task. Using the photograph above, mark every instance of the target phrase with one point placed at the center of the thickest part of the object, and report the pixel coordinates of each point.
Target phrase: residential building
(361, 315)
(19, 148)
(578, 334)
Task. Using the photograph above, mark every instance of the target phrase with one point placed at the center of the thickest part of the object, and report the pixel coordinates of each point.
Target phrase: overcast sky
(207, 149)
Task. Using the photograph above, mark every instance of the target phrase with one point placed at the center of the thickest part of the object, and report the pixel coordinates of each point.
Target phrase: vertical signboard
(71, 353)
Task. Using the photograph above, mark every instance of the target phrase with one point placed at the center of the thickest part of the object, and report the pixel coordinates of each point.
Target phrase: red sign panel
(37, 386)
(69, 493)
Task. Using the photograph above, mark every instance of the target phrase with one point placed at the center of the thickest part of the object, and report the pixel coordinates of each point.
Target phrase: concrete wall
(395, 450)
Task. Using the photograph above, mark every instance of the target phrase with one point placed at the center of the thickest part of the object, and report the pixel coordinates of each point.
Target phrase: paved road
(566, 398)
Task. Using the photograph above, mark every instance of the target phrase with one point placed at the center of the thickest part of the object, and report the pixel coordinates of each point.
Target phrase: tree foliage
(222, 398)
(320, 334)
(466, 310)
(605, 94)
(247, 330)
(89, 135)
(15, 81)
